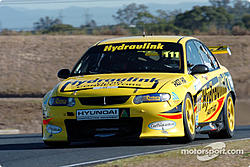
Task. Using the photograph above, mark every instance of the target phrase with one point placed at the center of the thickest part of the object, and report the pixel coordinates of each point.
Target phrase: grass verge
(175, 158)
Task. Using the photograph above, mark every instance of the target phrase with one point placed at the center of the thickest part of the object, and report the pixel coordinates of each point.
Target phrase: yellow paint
(144, 83)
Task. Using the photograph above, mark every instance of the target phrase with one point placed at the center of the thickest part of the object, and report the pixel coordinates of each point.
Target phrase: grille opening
(124, 127)
(108, 100)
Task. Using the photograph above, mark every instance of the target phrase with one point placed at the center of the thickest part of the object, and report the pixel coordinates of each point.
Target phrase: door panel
(210, 97)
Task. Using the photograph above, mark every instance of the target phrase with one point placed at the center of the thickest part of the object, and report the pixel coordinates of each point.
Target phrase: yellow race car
(143, 87)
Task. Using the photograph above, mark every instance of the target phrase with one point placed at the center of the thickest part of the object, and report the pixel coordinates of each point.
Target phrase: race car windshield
(131, 57)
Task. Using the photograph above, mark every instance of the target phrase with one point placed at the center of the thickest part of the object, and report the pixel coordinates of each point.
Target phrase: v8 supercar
(143, 87)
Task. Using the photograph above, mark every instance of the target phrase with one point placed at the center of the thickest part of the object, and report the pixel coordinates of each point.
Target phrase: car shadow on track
(22, 146)
(93, 144)
(148, 142)
(37, 143)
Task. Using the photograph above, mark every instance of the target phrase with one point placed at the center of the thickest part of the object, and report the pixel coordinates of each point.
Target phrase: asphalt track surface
(29, 150)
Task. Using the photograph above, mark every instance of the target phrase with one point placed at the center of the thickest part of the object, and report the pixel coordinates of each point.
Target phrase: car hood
(115, 84)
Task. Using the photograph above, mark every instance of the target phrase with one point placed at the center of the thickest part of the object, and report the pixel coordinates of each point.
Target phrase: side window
(213, 59)
(204, 54)
(193, 56)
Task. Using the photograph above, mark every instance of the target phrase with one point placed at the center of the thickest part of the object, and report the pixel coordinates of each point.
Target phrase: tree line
(221, 17)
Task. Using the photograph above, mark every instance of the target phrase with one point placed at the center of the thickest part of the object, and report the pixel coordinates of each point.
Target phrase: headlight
(154, 97)
(62, 101)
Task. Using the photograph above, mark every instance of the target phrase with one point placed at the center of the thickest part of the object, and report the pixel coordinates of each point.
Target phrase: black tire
(189, 136)
(226, 132)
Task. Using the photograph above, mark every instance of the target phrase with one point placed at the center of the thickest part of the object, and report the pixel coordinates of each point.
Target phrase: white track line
(138, 154)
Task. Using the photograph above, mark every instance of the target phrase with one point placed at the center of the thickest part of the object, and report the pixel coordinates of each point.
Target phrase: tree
(246, 20)
(61, 28)
(91, 24)
(240, 7)
(46, 23)
(164, 16)
(144, 18)
(202, 17)
(129, 14)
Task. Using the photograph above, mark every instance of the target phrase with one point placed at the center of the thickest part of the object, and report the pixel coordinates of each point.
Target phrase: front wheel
(228, 120)
(188, 122)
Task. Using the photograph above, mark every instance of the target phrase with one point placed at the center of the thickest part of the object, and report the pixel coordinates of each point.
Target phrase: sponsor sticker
(197, 85)
(175, 97)
(162, 125)
(179, 81)
(53, 129)
(97, 114)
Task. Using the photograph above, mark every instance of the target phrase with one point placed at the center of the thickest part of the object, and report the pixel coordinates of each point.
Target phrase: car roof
(174, 39)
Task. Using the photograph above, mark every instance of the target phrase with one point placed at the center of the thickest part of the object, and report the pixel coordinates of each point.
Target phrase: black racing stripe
(180, 39)
(64, 86)
(175, 109)
(155, 84)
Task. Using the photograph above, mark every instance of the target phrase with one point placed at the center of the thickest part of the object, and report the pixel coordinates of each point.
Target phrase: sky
(61, 4)
(21, 14)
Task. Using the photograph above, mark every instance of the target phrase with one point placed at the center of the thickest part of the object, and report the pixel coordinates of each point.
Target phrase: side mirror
(63, 73)
(199, 69)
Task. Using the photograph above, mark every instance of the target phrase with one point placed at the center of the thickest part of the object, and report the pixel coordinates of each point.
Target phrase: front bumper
(146, 120)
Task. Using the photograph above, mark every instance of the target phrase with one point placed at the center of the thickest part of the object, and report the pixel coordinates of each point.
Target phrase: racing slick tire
(228, 120)
(188, 122)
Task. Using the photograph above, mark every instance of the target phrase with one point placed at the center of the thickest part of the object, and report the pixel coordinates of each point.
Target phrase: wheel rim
(230, 113)
(190, 115)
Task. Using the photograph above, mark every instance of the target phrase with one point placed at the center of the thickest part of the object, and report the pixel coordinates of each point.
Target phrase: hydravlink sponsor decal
(220, 102)
(112, 48)
(210, 92)
(130, 82)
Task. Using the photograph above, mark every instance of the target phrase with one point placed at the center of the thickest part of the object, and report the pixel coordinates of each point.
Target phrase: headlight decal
(62, 101)
(154, 97)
